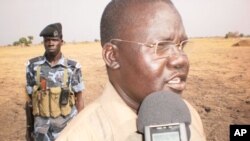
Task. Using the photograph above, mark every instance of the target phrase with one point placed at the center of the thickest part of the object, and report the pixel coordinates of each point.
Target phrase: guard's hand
(79, 101)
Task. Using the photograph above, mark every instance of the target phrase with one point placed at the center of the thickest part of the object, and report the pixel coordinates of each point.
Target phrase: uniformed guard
(54, 85)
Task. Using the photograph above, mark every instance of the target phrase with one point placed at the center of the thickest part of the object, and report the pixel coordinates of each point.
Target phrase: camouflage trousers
(48, 129)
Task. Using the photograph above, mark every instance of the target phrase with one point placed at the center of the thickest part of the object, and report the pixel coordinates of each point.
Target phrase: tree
(16, 43)
(234, 35)
(23, 41)
(30, 39)
(96, 40)
(241, 35)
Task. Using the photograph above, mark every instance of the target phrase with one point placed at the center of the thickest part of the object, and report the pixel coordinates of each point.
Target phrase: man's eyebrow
(168, 39)
(163, 39)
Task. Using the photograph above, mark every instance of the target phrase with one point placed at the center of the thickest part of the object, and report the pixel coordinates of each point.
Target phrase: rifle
(29, 121)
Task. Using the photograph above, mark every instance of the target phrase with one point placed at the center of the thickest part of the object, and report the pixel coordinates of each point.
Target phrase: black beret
(52, 30)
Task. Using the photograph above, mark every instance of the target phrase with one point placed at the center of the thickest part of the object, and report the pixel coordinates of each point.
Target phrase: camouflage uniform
(48, 128)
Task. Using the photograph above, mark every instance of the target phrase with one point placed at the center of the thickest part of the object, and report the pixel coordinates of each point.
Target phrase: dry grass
(218, 84)
(242, 43)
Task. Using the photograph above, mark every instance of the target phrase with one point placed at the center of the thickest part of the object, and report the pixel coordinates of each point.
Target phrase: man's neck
(53, 59)
(130, 102)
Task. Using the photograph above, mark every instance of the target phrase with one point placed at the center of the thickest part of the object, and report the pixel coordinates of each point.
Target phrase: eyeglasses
(161, 48)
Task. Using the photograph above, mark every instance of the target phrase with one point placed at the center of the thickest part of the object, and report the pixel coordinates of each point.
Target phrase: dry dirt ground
(218, 83)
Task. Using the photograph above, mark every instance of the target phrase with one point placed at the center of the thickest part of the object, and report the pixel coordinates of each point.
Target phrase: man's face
(141, 71)
(52, 45)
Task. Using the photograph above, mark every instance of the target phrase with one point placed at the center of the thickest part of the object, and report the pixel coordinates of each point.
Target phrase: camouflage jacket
(54, 74)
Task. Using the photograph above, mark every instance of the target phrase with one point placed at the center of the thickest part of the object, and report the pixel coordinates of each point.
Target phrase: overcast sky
(81, 18)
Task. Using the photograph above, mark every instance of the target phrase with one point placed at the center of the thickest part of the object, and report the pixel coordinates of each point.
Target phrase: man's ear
(62, 42)
(110, 55)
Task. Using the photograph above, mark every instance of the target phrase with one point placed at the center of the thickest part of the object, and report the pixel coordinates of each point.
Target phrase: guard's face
(141, 71)
(52, 45)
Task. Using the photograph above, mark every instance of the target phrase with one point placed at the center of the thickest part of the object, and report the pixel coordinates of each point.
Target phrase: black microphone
(164, 115)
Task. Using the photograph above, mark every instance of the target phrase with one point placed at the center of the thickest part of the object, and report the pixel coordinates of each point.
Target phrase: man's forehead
(160, 19)
(140, 9)
(51, 38)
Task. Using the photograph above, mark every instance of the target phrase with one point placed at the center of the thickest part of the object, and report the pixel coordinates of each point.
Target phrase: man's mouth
(177, 83)
(175, 80)
(51, 48)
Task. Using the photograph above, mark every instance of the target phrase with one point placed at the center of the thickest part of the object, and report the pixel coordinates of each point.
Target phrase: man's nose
(50, 42)
(178, 60)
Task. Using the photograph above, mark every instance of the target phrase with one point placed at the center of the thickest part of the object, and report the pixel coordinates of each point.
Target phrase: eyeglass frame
(179, 46)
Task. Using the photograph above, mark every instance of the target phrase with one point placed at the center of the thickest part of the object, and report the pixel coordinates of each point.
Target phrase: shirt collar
(122, 117)
(60, 62)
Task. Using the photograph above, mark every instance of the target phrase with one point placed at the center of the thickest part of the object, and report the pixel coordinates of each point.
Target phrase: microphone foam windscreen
(162, 108)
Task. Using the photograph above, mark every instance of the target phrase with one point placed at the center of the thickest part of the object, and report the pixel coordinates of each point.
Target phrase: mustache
(182, 75)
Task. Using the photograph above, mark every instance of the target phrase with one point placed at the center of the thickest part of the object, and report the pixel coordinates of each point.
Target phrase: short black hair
(114, 18)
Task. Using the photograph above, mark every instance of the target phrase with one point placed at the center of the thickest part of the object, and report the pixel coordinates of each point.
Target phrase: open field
(218, 83)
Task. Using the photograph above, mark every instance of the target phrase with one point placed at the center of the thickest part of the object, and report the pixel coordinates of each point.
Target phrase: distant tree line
(23, 41)
(235, 35)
